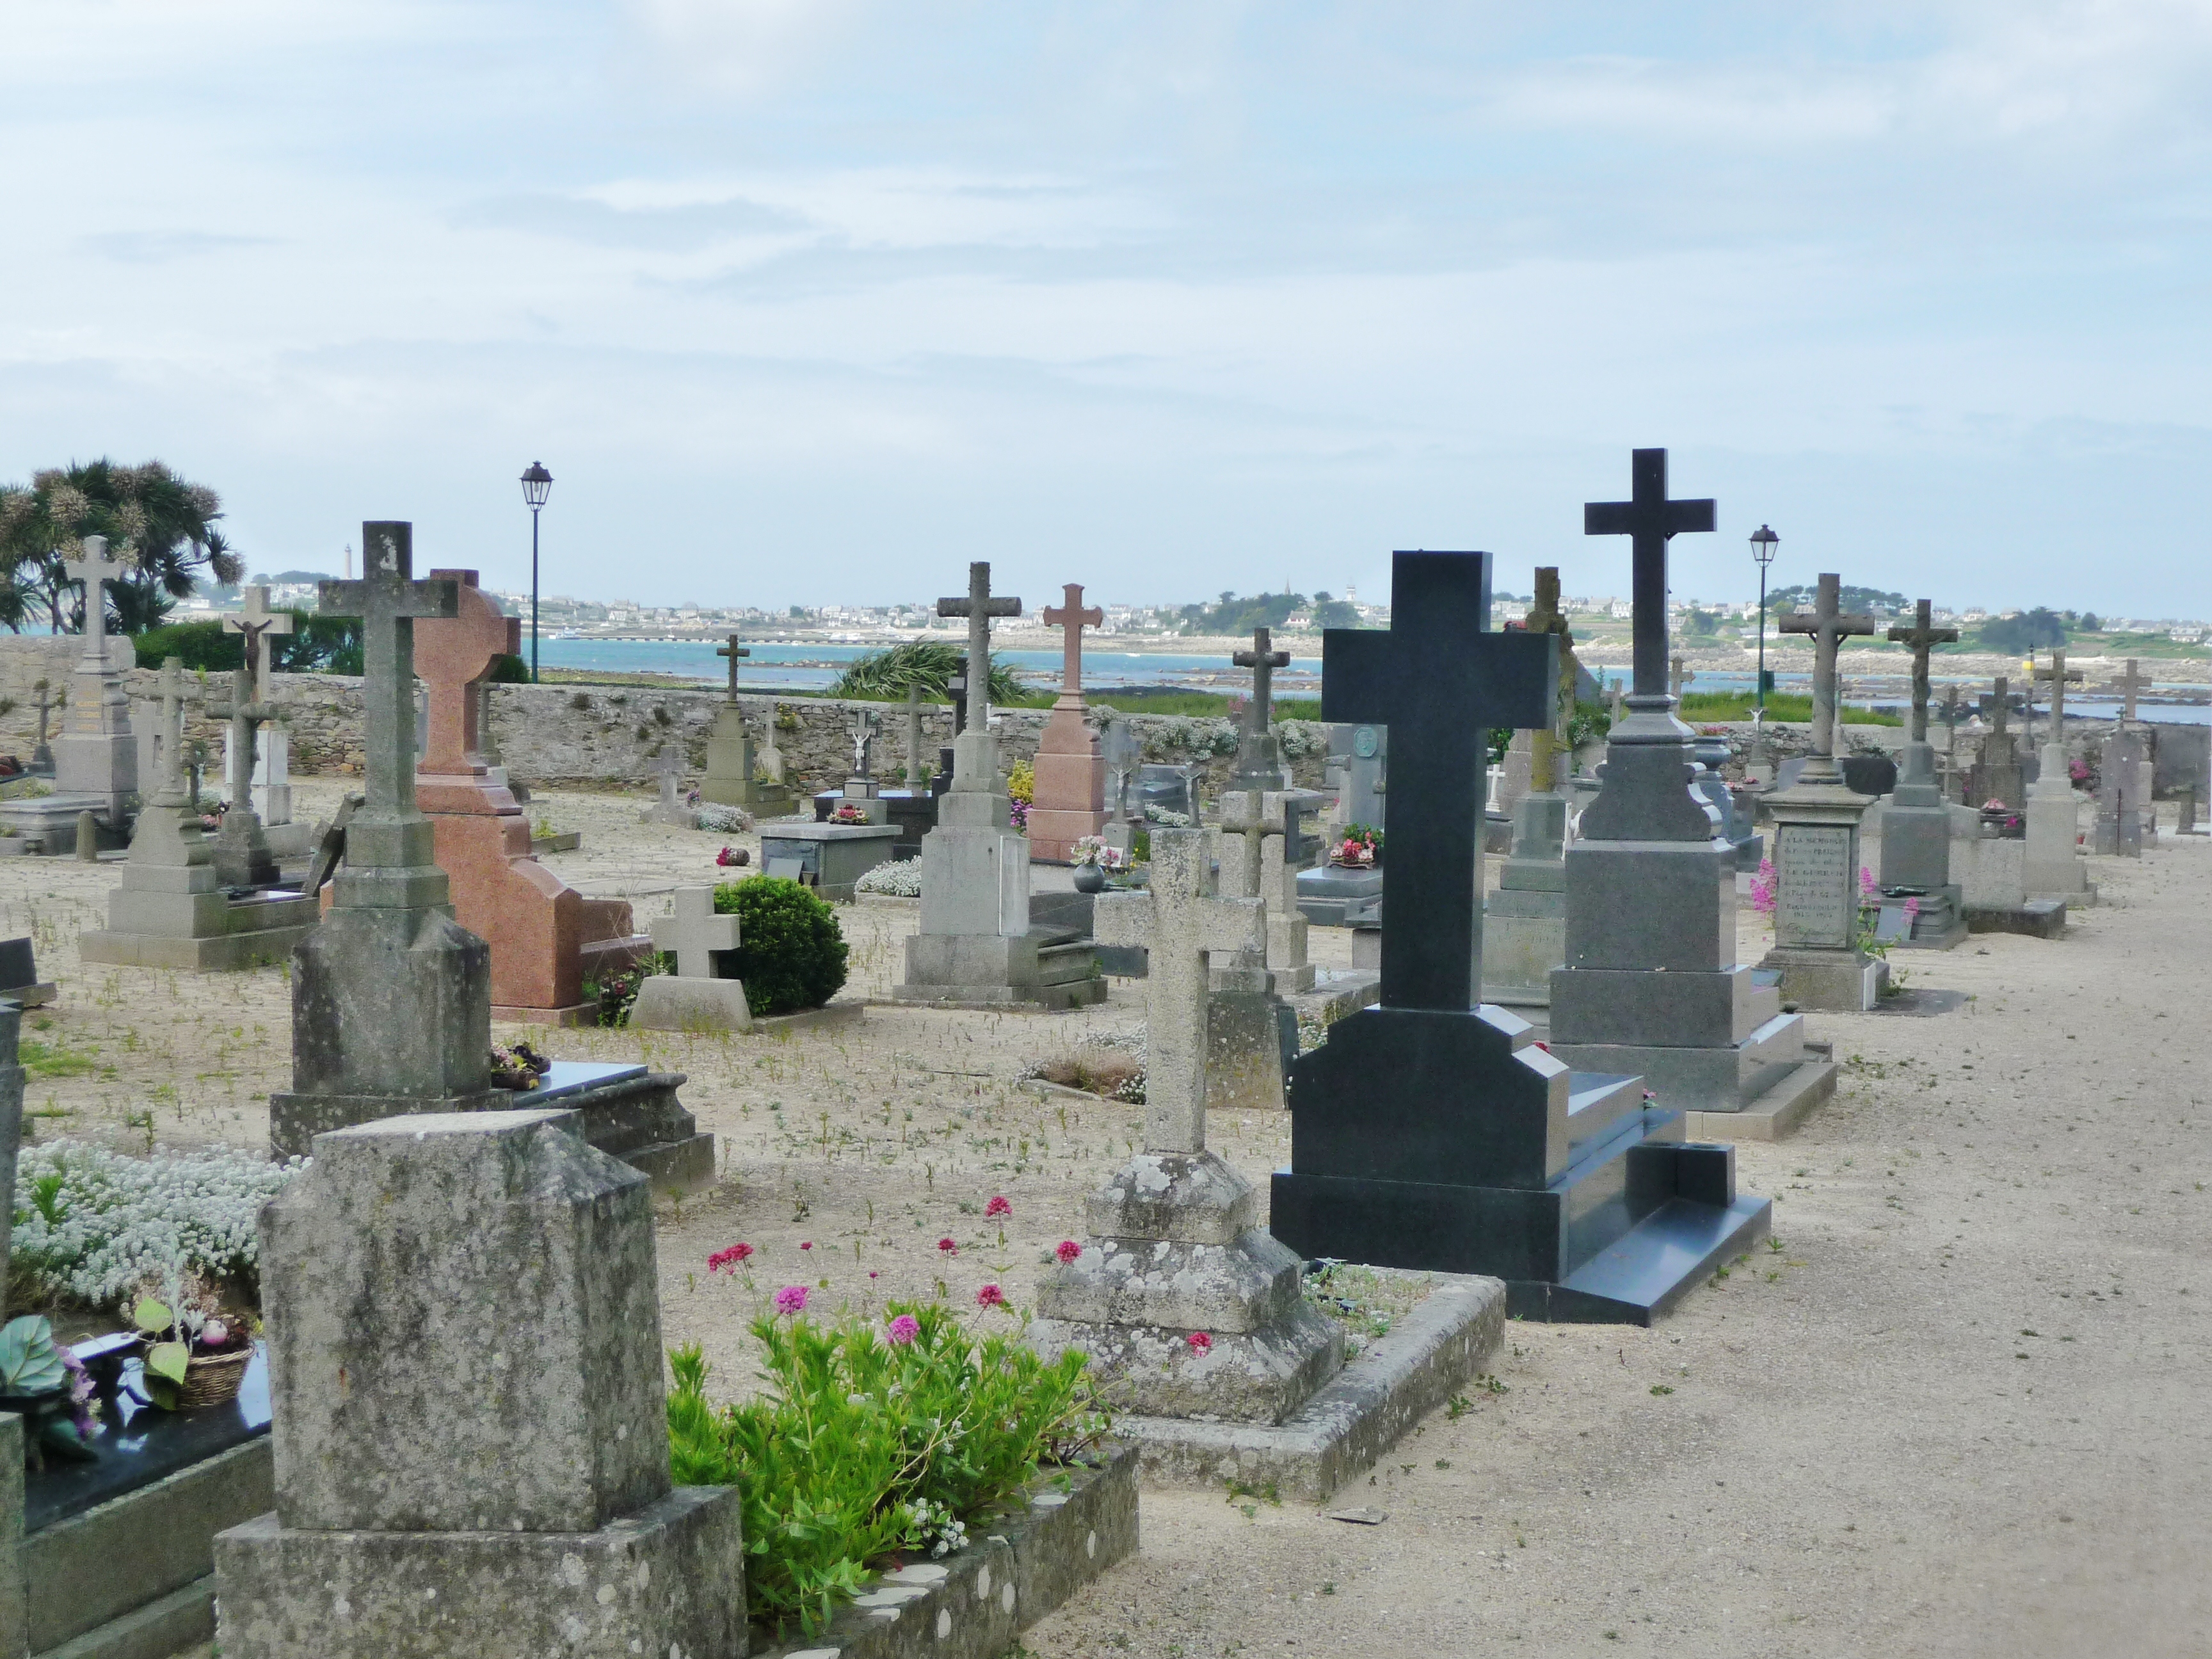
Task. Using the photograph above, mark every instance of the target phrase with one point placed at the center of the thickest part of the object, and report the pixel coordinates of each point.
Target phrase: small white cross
(692, 932)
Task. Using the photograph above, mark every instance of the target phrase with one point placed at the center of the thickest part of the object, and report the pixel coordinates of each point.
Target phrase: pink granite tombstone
(1070, 802)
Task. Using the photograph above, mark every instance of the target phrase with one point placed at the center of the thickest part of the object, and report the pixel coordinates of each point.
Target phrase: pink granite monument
(1071, 771)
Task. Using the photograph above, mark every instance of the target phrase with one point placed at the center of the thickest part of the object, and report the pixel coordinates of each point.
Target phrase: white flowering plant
(901, 878)
(91, 1224)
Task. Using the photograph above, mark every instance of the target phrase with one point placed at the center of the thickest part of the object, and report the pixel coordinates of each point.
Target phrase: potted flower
(1361, 848)
(518, 1066)
(47, 1386)
(194, 1354)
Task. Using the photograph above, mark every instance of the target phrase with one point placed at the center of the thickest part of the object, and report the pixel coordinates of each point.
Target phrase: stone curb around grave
(973, 1605)
(1359, 1414)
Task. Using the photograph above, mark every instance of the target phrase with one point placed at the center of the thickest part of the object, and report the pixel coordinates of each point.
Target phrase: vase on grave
(1070, 799)
(546, 940)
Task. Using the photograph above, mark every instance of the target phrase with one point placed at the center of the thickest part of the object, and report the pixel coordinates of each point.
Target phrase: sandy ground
(1957, 1411)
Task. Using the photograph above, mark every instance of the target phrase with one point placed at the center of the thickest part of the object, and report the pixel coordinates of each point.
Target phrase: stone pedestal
(170, 911)
(1816, 907)
(1916, 853)
(1070, 802)
(2053, 866)
(96, 754)
(733, 772)
(1524, 924)
(437, 1491)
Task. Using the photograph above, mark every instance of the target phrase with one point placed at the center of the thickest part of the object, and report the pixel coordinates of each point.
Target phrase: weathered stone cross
(95, 569)
(1071, 619)
(917, 769)
(1650, 518)
(692, 932)
(171, 734)
(670, 769)
(1258, 762)
(1181, 923)
(245, 717)
(388, 599)
(1678, 677)
(1923, 636)
(733, 651)
(979, 607)
(2060, 676)
(1998, 706)
(2130, 683)
(43, 755)
(1829, 627)
(1544, 617)
(256, 621)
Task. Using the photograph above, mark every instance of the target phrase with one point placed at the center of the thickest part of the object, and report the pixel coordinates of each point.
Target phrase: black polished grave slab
(1428, 1133)
(142, 1445)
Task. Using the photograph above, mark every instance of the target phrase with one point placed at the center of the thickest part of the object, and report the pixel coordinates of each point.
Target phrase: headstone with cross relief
(2052, 862)
(1652, 983)
(1070, 768)
(95, 757)
(737, 774)
(701, 995)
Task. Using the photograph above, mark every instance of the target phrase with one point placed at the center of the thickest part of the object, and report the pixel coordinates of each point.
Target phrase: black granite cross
(1923, 637)
(1650, 518)
(1257, 759)
(1440, 680)
(733, 651)
(387, 598)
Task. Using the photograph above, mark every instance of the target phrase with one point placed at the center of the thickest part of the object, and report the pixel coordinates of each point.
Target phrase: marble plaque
(1817, 897)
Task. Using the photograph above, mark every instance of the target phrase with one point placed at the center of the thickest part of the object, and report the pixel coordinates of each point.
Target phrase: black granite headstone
(17, 967)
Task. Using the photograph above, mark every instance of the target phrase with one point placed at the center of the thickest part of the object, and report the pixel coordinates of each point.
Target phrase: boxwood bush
(790, 953)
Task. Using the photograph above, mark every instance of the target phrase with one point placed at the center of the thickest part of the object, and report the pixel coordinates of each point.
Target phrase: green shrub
(865, 1444)
(203, 646)
(317, 645)
(508, 670)
(790, 953)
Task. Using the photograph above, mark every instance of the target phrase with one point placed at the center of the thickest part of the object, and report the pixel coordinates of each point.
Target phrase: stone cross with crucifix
(867, 727)
(979, 607)
(734, 651)
(1258, 760)
(1829, 627)
(259, 624)
(1923, 637)
(1916, 842)
(1069, 801)
(242, 856)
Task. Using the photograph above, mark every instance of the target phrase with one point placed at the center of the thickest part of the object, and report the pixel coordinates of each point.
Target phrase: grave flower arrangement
(1360, 850)
(48, 1385)
(194, 1354)
(848, 813)
(1093, 850)
(876, 1437)
(517, 1065)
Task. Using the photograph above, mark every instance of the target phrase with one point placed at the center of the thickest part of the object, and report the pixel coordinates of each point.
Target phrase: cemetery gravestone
(735, 775)
(1259, 757)
(2118, 831)
(1069, 800)
(1428, 1133)
(671, 809)
(1997, 775)
(1524, 931)
(242, 856)
(1916, 824)
(2052, 866)
(1332, 895)
(1651, 983)
(700, 995)
(438, 1492)
(272, 790)
(95, 757)
(1122, 754)
(1816, 844)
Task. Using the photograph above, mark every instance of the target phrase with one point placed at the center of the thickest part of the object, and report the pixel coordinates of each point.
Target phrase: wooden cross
(733, 651)
(1440, 680)
(1678, 677)
(1182, 924)
(387, 599)
(1829, 627)
(255, 621)
(2130, 683)
(95, 569)
(979, 607)
(1923, 636)
(2060, 676)
(692, 932)
(1649, 520)
(1071, 619)
(1257, 759)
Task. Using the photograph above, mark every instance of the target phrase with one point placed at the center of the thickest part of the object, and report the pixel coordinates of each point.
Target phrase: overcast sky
(809, 300)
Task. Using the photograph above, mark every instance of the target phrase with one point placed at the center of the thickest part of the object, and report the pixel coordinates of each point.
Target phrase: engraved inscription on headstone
(1813, 905)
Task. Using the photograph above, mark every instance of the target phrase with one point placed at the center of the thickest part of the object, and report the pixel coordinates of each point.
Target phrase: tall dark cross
(1440, 680)
(979, 607)
(733, 651)
(1649, 518)
(1923, 636)
(1257, 758)
(1829, 627)
(2060, 676)
(387, 598)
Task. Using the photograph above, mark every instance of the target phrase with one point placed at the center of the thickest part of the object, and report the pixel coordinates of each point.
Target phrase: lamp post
(536, 485)
(1763, 544)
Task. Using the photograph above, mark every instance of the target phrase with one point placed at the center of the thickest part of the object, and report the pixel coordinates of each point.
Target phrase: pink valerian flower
(998, 1207)
(1067, 1251)
(1913, 910)
(791, 1299)
(1865, 882)
(990, 1296)
(946, 1247)
(1201, 1343)
(730, 1260)
(806, 1244)
(904, 1330)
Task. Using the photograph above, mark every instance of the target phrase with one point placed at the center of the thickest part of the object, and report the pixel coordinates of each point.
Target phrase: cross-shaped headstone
(1440, 680)
(1997, 705)
(1678, 676)
(1923, 636)
(867, 724)
(917, 768)
(692, 932)
(1071, 619)
(95, 569)
(1182, 924)
(387, 599)
(1650, 518)
(43, 755)
(171, 734)
(670, 769)
(1259, 763)
(2060, 676)
(2131, 682)
(245, 716)
(733, 651)
(1544, 617)
(1829, 626)
(453, 661)
(255, 622)
(979, 607)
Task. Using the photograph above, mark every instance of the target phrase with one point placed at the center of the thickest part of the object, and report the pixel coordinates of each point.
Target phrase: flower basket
(213, 1379)
(1361, 859)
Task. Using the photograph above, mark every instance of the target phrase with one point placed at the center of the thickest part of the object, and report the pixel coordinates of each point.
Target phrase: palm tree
(159, 524)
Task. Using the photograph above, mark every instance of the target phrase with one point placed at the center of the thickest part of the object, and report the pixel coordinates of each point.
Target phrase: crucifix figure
(693, 934)
(1678, 677)
(1923, 636)
(258, 623)
(1649, 520)
(1440, 680)
(1259, 761)
(2131, 682)
(867, 724)
(1829, 627)
(733, 651)
(390, 841)
(979, 607)
(1124, 754)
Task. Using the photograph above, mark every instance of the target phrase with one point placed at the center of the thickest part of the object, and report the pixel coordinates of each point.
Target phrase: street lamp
(1763, 544)
(536, 485)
